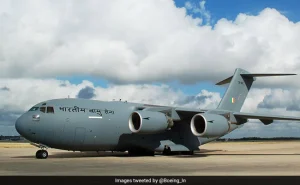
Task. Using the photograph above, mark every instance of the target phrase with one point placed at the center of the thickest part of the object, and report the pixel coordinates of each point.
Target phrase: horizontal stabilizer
(264, 75)
(266, 119)
(228, 80)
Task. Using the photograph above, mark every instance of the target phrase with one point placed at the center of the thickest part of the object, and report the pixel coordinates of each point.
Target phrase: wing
(181, 113)
(188, 113)
(264, 118)
(176, 113)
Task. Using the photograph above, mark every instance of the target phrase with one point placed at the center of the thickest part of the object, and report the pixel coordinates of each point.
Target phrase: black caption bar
(160, 180)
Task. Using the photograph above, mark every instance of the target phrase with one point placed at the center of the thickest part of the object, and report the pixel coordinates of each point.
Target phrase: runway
(219, 158)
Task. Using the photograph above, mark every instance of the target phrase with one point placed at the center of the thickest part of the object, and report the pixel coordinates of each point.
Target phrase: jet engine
(148, 122)
(209, 125)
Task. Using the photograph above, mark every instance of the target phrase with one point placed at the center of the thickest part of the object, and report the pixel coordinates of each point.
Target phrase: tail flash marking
(233, 100)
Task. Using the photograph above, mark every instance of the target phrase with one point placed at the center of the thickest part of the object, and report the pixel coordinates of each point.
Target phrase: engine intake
(148, 122)
(209, 125)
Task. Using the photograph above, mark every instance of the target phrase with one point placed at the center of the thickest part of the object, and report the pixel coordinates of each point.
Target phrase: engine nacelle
(148, 122)
(209, 125)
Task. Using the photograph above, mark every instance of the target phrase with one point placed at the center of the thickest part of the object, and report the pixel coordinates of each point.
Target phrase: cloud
(63, 85)
(272, 102)
(4, 88)
(199, 9)
(293, 107)
(86, 93)
(142, 42)
(135, 42)
(8, 118)
(25, 93)
(204, 99)
(279, 98)
(188, 5)
(258, 129)
(8, 131)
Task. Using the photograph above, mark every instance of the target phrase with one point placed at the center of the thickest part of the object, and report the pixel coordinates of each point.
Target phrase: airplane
(75, 124)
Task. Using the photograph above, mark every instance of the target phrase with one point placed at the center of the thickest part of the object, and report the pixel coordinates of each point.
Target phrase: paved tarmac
(218, 158)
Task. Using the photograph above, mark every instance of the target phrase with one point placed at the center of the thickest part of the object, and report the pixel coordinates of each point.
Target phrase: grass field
(15, 145)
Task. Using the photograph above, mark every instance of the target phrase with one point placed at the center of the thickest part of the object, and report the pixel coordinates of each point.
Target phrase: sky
(153, 51)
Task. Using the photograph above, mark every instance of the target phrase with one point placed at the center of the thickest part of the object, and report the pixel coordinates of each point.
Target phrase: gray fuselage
(91, 125)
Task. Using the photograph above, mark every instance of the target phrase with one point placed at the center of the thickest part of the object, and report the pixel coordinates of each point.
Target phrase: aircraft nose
(19, 125)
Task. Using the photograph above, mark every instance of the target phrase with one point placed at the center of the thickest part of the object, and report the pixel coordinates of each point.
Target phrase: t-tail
(239, 85)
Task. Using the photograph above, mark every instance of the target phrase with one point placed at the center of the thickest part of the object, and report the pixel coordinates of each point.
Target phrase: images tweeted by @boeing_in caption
(151, 180)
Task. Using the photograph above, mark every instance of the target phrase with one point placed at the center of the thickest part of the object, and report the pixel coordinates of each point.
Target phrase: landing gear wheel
(41, 154)
(167, 151)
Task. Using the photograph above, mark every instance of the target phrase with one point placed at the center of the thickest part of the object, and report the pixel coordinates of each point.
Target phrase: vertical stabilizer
(237, 90)
(239, 86)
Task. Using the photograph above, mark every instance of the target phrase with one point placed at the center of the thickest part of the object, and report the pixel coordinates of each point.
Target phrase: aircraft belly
(179, 138)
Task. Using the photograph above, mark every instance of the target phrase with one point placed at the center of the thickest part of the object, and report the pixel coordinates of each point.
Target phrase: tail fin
(239, 86)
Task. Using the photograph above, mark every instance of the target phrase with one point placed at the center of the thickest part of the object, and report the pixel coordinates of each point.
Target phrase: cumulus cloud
(279, 98)
(8, 131)
(293, 107)
(86, 93)
(132, 41)
(257, 129)
(199, 9)
(25, 93)
(4, 89)
(205, 99)
(8, 118)
(272, 102)
(142, 41)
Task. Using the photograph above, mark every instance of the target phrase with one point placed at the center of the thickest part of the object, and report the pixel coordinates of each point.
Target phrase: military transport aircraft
(141, 129)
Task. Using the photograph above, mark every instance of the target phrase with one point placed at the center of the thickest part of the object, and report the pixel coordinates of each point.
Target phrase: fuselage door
(79, 137)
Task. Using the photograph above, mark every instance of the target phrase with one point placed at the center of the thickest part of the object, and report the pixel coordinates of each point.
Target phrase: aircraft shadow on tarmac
(99, 154)
(202, 153)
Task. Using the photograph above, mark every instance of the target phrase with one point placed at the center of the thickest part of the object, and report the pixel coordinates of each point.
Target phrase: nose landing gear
(41, 154)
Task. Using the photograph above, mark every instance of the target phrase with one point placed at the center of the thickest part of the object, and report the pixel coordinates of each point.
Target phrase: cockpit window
(50, 110)
(33, 109)
(43, 109)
